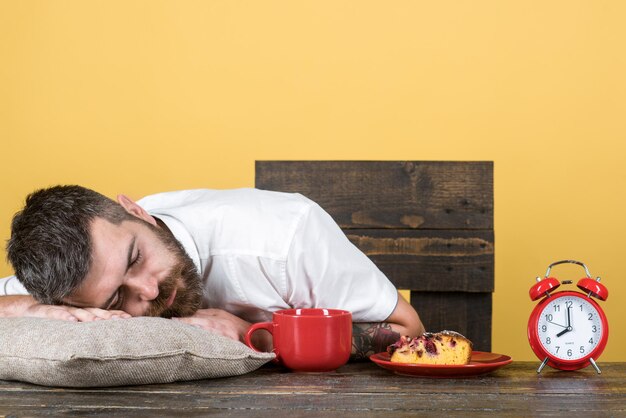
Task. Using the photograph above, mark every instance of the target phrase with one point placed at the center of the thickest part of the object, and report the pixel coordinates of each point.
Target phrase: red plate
(480, 363)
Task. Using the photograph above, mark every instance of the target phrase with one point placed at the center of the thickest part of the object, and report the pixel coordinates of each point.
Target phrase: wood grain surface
(357, 389)
(390, 194)
(431, 260)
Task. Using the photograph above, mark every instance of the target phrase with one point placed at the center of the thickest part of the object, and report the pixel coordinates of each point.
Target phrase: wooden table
(355, 390)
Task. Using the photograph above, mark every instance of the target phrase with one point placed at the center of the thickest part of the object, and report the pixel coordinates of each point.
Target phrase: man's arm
(25, 305)
(16, 302)
(367, 338)
(373, 337)
(15, 305)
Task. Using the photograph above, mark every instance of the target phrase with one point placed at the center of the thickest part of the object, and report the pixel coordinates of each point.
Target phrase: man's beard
(182, 277)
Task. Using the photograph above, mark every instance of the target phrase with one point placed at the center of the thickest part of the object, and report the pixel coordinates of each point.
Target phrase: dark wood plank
(390, 194)
(467, 313)
(426, 260)
(358, 389)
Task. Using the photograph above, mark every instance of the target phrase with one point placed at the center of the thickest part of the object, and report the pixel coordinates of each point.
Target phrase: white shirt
(11, 286)
(260, 251)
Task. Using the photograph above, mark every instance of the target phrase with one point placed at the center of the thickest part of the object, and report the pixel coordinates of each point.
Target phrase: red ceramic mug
(309, 340)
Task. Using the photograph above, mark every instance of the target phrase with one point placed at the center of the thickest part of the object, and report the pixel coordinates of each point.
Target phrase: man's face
(141, 269)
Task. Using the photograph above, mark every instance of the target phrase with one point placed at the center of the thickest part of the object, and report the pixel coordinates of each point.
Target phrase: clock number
(569, 352)
(590, 340)
(557, 308)
(568, 304)
(549, 317)
(582, 349)
(548, 341)
(544, 328)
(594, 329)
(557, 348)
(590, 316)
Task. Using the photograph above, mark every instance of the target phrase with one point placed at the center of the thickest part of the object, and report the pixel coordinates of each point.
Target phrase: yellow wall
(146, 96)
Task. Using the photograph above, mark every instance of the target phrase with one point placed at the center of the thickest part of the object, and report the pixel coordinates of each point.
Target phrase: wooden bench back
(428, 225)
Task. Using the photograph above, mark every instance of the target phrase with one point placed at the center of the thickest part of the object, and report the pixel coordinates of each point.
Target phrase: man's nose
(146, 287)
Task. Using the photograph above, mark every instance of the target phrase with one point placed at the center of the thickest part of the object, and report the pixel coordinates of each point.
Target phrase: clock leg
(543, 364)
(595, 366)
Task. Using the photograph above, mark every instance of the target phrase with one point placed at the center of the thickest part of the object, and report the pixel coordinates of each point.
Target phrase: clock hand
(564, 331)
(569, 327)
(554, 323)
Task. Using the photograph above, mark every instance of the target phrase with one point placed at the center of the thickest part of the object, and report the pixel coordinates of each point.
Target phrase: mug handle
(268, 326)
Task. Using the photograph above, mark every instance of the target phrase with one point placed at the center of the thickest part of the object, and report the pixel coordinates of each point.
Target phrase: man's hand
(70, 313)
(218, 321)
(373, 337)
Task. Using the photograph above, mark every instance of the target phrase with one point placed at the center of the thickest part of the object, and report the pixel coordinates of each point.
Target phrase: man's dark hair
(50, 245)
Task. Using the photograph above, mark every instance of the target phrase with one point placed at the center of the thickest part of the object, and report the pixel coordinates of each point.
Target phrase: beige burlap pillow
(117, 352)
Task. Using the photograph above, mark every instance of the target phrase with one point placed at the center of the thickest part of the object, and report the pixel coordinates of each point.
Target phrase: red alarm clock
(568, 330)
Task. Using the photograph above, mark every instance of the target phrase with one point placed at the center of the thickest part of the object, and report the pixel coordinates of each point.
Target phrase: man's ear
(134, 209)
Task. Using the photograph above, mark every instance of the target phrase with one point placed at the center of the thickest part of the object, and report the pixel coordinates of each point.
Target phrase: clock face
(569, 327)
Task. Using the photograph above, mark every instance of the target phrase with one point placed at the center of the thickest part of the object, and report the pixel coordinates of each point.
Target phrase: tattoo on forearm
(370, 338)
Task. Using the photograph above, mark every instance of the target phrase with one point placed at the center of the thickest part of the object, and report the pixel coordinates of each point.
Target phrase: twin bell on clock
(568, 330)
